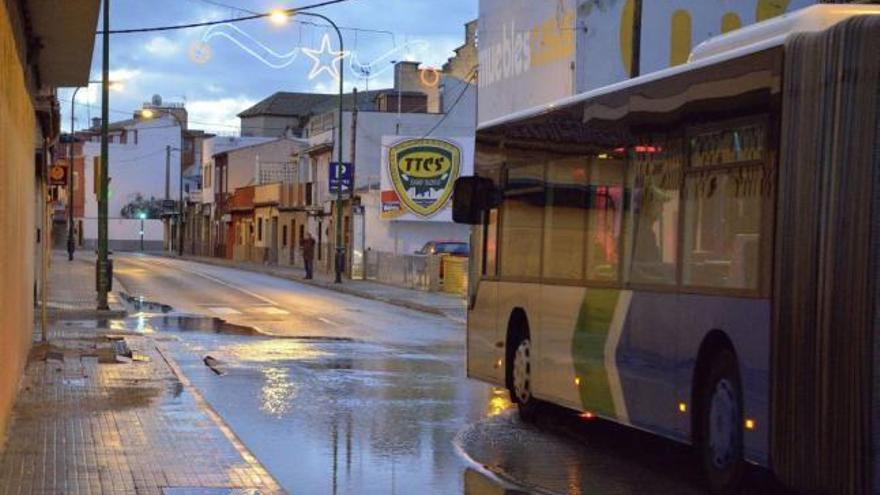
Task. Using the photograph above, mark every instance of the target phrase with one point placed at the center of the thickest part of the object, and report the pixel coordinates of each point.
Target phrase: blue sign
(341, 174)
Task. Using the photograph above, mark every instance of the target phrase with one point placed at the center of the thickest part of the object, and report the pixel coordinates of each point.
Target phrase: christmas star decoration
(318, 57)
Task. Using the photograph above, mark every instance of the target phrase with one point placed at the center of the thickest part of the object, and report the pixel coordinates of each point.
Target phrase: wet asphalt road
(348, 395)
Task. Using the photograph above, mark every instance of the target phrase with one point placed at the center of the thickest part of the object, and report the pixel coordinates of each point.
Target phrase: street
(349, 395)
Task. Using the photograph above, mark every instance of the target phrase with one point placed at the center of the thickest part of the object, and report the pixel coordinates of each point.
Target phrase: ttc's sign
(341, 174)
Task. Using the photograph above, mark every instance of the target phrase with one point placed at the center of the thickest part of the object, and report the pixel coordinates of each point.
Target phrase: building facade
(29, 130)
(533, 53)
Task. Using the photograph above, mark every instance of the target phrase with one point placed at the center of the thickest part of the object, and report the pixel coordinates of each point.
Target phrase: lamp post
(103, 263)
(142, 216)
(71, 243)
(148, 114)
(340, 248)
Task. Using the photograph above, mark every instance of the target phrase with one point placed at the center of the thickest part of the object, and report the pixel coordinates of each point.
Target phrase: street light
(278, 17)
(142, 216)
(340, 248)
(71, 243)
(148, 113)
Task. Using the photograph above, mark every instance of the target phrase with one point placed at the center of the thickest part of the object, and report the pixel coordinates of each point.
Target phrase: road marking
(268, 310)
(227, 284)
(329, 322)
(225, 311)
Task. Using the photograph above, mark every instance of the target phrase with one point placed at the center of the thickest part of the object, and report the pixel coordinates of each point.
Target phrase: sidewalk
(90, 420)
(72, 291)
(437, 303)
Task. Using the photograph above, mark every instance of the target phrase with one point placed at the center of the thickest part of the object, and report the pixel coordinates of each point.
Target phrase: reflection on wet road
(377, 400)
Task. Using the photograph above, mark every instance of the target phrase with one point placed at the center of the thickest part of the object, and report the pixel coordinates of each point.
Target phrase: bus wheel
(521, 384)
(720, 443)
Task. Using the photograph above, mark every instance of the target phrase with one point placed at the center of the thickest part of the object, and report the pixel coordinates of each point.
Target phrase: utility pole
(71, 243)
(103, 241)
(167, 195)
(636, 61)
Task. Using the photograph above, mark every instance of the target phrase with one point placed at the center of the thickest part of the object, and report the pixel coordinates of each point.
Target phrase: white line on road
(227, 284)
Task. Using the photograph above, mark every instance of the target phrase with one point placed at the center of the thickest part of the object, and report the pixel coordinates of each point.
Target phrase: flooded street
(364, 397)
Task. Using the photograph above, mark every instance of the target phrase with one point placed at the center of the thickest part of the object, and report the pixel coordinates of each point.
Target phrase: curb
(273, 487)
(424, 308)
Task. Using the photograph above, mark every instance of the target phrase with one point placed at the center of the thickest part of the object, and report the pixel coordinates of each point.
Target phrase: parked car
(451, 248)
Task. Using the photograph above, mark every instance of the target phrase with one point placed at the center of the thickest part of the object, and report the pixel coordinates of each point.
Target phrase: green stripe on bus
(588, 349)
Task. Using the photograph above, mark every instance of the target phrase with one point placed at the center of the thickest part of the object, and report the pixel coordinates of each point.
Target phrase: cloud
(218, 115)
(161, 46)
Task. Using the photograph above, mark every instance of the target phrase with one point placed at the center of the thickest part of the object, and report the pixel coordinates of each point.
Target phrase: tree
(152, 207)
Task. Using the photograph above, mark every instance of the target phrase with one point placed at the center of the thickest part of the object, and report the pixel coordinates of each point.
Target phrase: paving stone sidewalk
(438, 303)
(72, 288)
(85, 423)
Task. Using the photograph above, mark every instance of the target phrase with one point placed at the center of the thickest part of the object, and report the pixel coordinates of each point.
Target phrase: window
(284, 236)
(565, 219)
(654, 182)
(604, 216)
(724, 191)
(522, 222)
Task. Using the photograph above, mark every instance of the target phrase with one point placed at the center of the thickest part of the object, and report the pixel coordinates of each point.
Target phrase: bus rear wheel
(521, 381)
(720, 426)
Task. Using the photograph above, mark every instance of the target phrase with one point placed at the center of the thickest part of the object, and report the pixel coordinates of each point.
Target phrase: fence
(427, 273)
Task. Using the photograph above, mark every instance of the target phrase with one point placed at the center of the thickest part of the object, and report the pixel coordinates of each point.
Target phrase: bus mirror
(471, 197)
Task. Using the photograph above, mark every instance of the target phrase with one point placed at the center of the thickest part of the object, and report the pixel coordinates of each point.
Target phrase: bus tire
(720, 425)
(521, 380)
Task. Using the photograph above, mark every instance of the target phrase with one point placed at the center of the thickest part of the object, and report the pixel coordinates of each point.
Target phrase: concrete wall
(134, 168)
(17, 237)
(401, 237)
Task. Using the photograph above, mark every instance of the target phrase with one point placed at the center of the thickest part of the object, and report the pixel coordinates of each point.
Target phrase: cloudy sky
(218, 72)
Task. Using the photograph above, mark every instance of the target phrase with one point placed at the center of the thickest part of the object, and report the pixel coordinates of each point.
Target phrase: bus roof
(744, 41)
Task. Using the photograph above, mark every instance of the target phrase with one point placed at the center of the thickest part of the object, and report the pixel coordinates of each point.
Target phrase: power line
(289, 12)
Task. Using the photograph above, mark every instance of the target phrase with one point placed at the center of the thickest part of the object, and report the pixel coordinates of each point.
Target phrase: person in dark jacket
(307, 246)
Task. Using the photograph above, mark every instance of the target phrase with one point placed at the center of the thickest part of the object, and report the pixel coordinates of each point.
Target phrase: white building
(532, 53)
(142, 174)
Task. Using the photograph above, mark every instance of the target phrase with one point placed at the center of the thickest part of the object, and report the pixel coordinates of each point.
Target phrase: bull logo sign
(423, 172)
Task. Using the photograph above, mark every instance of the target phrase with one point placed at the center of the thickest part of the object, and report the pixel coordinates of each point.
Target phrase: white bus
(695, 252)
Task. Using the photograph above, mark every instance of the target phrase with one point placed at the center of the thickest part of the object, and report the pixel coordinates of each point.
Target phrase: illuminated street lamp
(148, 113)
(276, 16)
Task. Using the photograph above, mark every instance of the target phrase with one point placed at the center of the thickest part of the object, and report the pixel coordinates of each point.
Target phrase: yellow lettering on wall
(553, 39)
(626, 34)
(767, 9)
(680, 37)
(730, 22)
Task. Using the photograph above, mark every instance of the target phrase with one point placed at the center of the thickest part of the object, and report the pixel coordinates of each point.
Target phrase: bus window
(722, 227)
(605, 216)
(565, 219)
(653, 182)
(522, 222)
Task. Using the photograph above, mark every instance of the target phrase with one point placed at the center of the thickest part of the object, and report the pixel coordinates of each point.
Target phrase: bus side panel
(483, 333)
(560, 311)
(746, 322)
(648, 360)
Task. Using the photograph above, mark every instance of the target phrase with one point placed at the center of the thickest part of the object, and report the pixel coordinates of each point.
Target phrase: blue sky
(220, 81)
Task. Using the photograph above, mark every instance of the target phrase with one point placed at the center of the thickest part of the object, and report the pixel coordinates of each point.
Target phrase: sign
(58, 175)
(418, 176)
(341, 175)
(526, 54)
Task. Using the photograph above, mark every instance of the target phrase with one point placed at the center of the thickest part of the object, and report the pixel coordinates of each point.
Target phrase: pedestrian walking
(307, 246)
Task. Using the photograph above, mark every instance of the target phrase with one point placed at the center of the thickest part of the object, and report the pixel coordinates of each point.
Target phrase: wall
(243, 162)
(269, 126)
(536, 52)
(671, 29)
(134, 168)
(401, 237)
(17, 195)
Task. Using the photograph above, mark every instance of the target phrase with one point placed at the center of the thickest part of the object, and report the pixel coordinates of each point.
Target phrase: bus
(695, 252)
